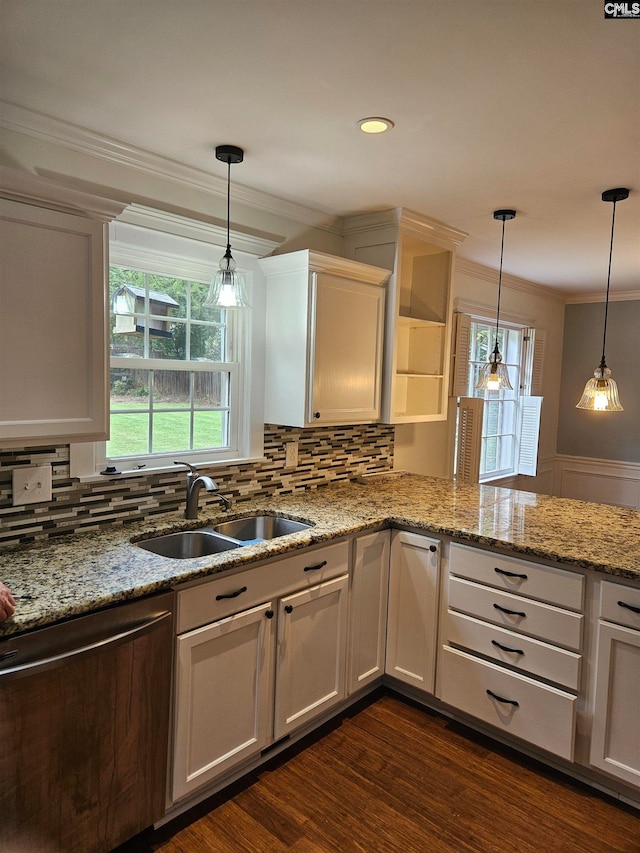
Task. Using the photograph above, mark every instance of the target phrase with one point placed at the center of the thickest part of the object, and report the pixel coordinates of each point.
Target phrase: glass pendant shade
(601, 393)
(494, 376)
(227, 289)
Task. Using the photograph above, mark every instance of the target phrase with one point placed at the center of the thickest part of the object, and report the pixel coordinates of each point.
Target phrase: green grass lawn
(130, 432)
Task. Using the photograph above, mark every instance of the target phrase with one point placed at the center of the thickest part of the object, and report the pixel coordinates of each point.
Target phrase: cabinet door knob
(288, 608)
(316, 414)
(433, 548)
(269, 614)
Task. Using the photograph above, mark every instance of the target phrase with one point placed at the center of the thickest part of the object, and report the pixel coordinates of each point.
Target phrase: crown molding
(195, 229)
(86, 141)
(415, 224)
(510, 281)
(621, 296)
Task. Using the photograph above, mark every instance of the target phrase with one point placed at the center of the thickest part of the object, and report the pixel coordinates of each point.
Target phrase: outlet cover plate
(31, 485)
(291, 454)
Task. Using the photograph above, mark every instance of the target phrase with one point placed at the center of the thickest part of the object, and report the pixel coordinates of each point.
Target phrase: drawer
(565, 589)
(522, 653)
(620, 604)
(543, 716)
(229, 594)
(544, 621)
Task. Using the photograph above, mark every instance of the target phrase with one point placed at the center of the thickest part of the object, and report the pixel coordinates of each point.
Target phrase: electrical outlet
(291, 454)
(31, 485)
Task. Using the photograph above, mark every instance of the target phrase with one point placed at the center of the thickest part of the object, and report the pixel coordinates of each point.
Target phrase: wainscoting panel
(599, 480)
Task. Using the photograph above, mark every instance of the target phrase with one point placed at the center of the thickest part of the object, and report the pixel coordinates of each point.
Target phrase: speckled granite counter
(57, 579)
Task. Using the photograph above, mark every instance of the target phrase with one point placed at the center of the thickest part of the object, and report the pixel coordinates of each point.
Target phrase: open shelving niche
(420, 252)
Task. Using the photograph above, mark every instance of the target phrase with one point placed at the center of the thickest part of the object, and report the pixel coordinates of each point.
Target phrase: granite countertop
(60, 578)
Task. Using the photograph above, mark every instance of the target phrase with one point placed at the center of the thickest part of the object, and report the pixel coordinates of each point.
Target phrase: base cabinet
(311, 655)
(252, 677)
(368, 609)
(412, 617)
(615, 740)
(223, 693)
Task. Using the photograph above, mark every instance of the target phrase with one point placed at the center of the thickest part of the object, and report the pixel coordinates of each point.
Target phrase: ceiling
(527, 104)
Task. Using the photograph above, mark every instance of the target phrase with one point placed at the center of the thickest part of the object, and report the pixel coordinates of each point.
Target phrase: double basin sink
(222, 537)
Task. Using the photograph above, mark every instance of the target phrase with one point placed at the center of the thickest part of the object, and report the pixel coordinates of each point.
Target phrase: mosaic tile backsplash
(325, 455)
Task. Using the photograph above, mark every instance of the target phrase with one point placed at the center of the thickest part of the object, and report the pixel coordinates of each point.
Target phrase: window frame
(172, 245)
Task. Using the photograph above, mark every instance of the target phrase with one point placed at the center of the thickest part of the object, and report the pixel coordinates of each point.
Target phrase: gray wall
(601, 435)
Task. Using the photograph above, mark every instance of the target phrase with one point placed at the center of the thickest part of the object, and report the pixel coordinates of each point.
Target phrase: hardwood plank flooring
(391, 777)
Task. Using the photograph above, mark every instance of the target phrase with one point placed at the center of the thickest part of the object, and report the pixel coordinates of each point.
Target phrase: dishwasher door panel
(84, 739)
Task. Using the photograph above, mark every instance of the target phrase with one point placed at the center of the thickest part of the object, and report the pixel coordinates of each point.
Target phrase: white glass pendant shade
(227, 289)
(601, 393)
(494, 376)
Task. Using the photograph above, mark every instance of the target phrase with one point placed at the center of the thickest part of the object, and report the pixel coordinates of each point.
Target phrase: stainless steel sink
(228, 534)
(259, 527)
(188, 544)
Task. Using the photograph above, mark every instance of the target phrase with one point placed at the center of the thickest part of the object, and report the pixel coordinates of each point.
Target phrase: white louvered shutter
(460, 371)
(535, 339)
(530, 408)
(470, 413)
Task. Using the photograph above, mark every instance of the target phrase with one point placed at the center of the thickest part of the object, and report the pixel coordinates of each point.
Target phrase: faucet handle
(191, 468)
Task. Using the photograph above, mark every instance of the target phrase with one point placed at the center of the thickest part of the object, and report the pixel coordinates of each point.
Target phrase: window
(174, 374)
(508, 419)
(186, 382)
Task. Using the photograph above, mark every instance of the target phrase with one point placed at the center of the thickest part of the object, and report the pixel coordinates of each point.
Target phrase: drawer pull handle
(510, 612)
(315, 568)
(629, 606)
(506, 648)
(510, 574)
(501, 699)
(232, 594)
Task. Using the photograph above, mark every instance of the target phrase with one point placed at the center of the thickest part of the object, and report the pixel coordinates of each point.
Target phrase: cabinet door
(223, 696)
(346, 360)
(52, 326)
(413, 609)
(368, 609)
(615, 739)
(311, 664)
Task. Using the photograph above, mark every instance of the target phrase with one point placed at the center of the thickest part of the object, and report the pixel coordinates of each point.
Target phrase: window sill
(136, 473)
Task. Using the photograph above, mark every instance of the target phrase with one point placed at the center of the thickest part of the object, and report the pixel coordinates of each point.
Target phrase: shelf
(417, 323)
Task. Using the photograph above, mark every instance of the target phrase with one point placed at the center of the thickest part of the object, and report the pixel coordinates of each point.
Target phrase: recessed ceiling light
(375, 124)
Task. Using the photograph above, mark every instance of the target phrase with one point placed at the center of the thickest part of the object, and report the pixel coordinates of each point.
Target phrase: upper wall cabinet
(325, 325)
(53, 351)
(420, 254)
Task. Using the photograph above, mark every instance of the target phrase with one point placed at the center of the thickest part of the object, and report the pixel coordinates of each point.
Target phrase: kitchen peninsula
(509, 611)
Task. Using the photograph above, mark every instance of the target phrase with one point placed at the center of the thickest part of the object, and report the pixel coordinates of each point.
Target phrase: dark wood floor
(395, 778)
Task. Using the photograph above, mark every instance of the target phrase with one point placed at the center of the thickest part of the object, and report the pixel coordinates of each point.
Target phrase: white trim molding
(603, 481)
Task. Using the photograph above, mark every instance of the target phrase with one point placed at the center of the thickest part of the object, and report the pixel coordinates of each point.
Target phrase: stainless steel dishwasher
(84, 716)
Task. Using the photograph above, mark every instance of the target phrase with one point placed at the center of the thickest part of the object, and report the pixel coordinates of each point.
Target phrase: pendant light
(227, 290)
(494, 376)
(601, 393)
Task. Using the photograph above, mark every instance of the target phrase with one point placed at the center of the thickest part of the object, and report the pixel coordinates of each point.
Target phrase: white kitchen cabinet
(311, 654)
(223, 696)
(368, 608)
(615, 737)
(412, 615)
(259, 654)
(53, 302)
(324, 339)
(420, 253)
(511, 641)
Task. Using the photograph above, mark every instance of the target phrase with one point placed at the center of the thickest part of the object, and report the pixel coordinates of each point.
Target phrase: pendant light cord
(228, 205)
(606, 302)
(499, 286)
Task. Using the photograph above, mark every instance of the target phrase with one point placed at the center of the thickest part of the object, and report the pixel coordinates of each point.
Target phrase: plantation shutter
(460, 372)
(470, 413)
(530, 408)
(535, 339)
